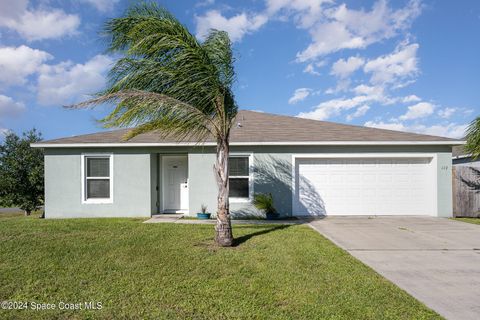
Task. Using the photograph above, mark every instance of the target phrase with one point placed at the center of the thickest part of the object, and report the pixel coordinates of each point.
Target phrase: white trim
(433, 165)
(260, 143)
(84, 199)
(250, 177)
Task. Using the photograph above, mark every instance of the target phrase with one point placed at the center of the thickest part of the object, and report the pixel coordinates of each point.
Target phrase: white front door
(175, 183)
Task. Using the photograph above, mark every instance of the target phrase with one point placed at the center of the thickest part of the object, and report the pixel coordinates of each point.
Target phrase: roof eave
(259, 143)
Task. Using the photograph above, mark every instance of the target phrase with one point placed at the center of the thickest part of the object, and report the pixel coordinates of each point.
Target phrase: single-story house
(312, 168)
(460, 157)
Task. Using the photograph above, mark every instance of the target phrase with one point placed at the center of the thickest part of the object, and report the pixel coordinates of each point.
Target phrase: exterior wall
(154, 185)
(444, 185)
(136, 176)
(273, 174)
(131, 186)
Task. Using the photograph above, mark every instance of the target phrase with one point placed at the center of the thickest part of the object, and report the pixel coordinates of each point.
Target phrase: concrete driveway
(435, 260)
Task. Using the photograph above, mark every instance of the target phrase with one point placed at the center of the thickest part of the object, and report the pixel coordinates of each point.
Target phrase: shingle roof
(252, 127)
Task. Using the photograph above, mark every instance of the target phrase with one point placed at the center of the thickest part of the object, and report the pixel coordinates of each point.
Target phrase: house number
(444, 168)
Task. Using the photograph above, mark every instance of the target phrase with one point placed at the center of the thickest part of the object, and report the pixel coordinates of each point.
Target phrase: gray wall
(273, 174)
(137, 175)
(131, 186)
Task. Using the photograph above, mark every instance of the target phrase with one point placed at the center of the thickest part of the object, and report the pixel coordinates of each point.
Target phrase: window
(97, 178)
(239, 177)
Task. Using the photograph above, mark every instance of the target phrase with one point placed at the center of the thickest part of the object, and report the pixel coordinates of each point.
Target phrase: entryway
(174, 184)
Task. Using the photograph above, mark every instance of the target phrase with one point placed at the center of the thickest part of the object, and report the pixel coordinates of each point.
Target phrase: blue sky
(402, 65)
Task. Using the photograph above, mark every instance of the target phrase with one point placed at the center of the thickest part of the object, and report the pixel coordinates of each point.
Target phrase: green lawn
(170, 271)
(469, 220)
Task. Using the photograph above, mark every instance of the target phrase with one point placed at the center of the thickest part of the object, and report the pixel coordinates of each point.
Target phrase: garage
(364, 186)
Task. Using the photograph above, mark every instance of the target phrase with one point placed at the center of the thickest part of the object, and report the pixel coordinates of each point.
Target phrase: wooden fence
(466, 191)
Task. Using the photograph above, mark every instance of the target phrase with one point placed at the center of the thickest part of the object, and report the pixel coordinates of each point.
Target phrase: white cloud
(37, 24)
(3, 132)
(17, 63)
(299, 95)
(344, 68)
(446, 112)
(391, 68)
(339, 27)
(311, 68)
(9, 107)
(204, 3)
(103, 5)
(361, 111)
(364, 95)
(411, 98)
(419, 110)
(342, 85)
(451, 130)
(236, 26)
(364, 89)
(66, 82)
(334, 107)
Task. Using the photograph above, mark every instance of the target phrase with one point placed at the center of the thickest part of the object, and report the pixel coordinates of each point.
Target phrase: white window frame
(250, 176)
(84, 178)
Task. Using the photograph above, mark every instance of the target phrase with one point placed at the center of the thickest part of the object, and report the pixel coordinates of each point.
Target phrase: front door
(175, 184)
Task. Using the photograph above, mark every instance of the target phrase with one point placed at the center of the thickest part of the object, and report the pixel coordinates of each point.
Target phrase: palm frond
(148, 111)
(219, 50)
(473, 138)
(166, 79)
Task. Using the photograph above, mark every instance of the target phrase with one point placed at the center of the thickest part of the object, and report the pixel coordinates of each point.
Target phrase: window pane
(98, 167)
(238, 187)
(238, 166)
(98, 188)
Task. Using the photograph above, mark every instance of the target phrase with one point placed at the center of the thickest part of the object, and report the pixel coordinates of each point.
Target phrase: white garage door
(363, 186)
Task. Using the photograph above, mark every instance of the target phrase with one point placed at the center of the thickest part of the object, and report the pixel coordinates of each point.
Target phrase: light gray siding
(444, 185)
(131, 186)
(273, 174)
(136, 176)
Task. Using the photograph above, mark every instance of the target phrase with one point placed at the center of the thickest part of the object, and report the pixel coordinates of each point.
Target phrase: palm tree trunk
(223, 229)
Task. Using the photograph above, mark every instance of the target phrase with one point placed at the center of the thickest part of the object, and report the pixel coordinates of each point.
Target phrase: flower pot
(203, 215)
(271, 216)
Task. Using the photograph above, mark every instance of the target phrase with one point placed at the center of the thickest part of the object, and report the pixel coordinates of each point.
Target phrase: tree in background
(169, 82)
(473, 138)
(21, 171)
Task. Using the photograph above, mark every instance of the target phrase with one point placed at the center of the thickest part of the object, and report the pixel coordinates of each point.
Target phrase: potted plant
(203, 214)
(264, 202)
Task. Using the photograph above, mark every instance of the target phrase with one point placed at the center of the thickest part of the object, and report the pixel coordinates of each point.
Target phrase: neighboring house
(462, 158)
(311, 167)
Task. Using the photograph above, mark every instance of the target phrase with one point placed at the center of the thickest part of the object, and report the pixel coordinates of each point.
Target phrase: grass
(469, 220)
(173, 271)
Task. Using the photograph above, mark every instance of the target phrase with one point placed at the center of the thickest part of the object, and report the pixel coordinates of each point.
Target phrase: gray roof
(258, 127)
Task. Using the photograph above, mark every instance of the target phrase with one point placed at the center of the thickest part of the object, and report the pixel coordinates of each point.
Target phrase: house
(311, 167)
(462, 158)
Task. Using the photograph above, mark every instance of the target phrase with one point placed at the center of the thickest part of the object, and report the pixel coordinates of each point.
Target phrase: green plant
(264, 202)
(203, 208)
(21, 172)
(167, 81)
(473, 138)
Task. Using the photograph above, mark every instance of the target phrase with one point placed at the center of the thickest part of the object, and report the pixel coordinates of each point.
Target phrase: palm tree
(473, 138)
(167, 80)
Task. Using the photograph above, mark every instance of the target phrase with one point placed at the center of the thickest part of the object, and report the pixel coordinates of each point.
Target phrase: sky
(408, 65)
